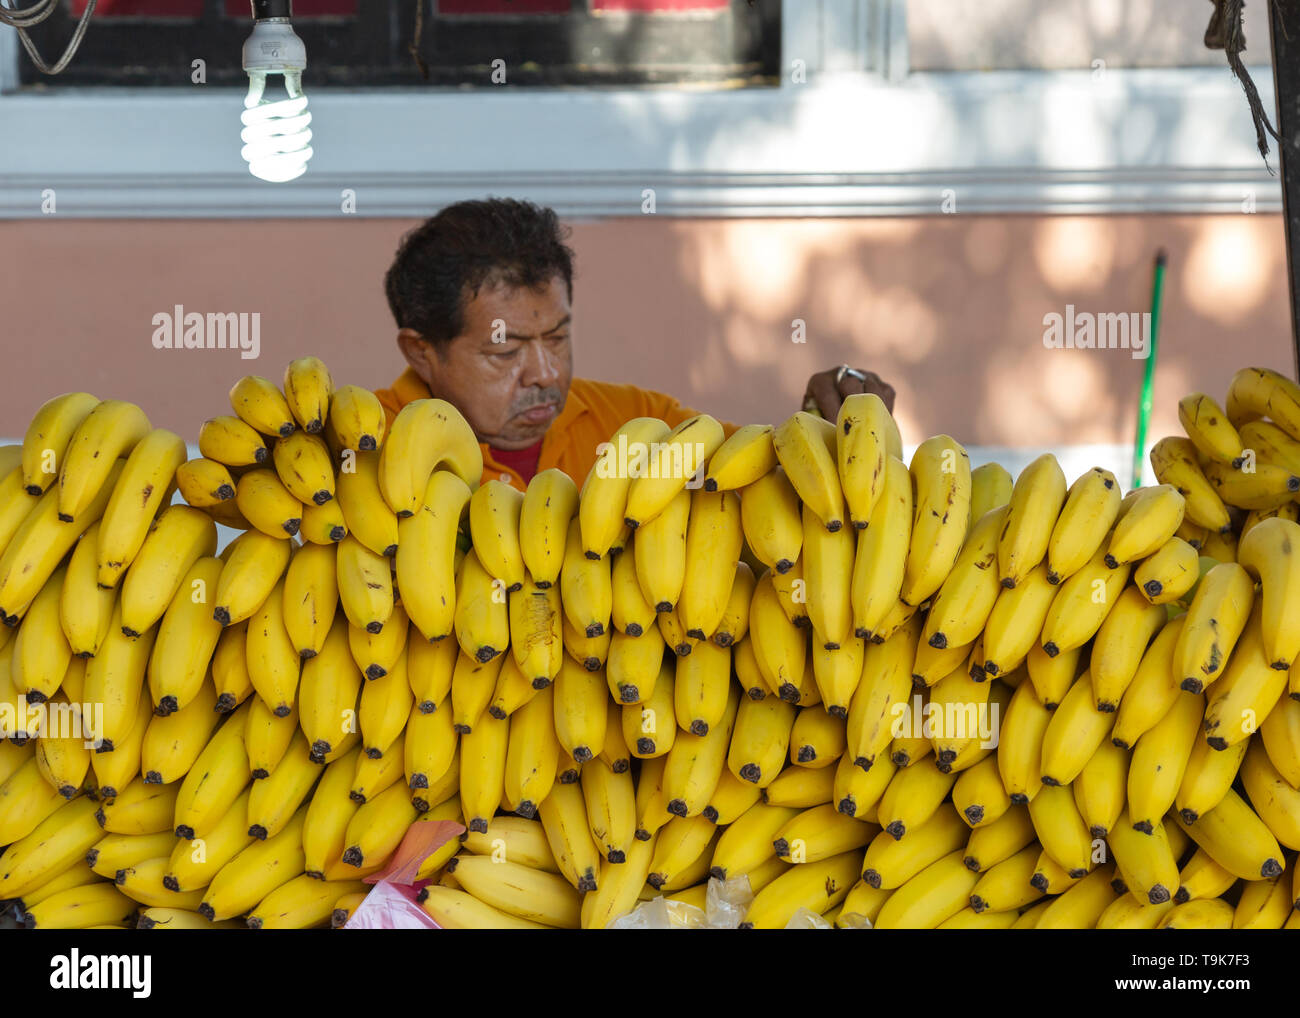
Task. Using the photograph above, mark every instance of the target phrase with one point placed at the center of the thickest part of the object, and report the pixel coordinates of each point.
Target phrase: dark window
(369, 42)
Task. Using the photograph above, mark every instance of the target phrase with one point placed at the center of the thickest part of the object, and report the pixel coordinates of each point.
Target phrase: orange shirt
(592, 412)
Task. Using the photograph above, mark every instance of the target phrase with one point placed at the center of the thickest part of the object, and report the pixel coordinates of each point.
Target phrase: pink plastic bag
(392, 905)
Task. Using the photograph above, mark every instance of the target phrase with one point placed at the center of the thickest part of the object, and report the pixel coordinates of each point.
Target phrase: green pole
(1148, 378)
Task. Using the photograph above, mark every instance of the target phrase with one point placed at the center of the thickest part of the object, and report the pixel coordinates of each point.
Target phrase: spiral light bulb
(277, 132)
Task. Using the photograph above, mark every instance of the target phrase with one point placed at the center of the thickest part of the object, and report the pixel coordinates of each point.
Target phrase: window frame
(860, 137)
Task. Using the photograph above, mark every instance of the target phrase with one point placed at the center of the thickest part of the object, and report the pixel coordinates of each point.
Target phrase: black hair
(441, 264)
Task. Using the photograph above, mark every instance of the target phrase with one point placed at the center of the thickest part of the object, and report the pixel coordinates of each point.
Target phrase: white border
(860, 137)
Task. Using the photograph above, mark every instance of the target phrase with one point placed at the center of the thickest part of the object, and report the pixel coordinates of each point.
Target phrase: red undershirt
(521, 461)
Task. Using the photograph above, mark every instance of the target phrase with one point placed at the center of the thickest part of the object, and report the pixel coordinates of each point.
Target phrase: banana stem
(1148, 378)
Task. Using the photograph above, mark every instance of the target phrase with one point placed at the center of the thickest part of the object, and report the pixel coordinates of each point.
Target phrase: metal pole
(1286, 87)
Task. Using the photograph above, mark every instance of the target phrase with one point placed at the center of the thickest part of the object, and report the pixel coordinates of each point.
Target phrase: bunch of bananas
(887, 694)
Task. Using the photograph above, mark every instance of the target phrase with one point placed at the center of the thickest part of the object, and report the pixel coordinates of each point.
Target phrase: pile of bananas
(923, 696)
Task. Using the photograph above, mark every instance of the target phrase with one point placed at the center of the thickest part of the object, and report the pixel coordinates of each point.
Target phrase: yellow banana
(357, 418)
(941, 514)
(770, 518)
(934, 895)
(1153, 690)
(564, 819)
(365, 586)
(1248, 690)
(683, 451)
(1207, 778)
(965, 600)
(1035, 504)
(426, 554)
(177, 540)
(365, 513)
(862, 431)
(494, 514)
(260, 404)
(760, 738)
(328, 690)
(308, 388)
(550, 502)
(232, 443)
(1174, 461)
(602, 504)
(1235, 837)
(1215, 621)
(742, 459)
(1169, 573)
(1082, 604)
(806, 448)
(425, 434)
(1268, 553)
(255, 872)
(1209, 428)
(47, 439)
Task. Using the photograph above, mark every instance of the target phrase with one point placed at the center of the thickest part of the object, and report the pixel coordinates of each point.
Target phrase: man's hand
(827, 389)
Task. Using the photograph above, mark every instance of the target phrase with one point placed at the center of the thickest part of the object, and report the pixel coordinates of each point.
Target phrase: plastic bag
(807, 919)
(727, 902)
(392, 904)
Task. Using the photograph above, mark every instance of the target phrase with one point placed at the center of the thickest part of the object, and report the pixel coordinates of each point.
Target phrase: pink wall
(949, 309)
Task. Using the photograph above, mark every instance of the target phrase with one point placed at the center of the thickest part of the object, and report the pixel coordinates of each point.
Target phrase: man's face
(509, 370)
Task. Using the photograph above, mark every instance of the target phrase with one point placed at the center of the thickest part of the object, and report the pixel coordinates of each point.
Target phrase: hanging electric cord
(23, 18)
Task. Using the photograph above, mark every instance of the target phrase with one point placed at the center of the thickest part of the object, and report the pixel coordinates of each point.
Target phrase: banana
(770, 518)
(1207, 778)
(978, 795)
(1202, 877)
(116, 852)
(377, 828)
(1101, 788)
(714, 538)
(991, 843)
(1257, 484)
(1081, 905)
(1215, 621)
(742, 459)
(1219, 547)
(1198, 915)
(1267, 552)
(1154, 518)
(255, 872)
(275, 798)
(1169, 573)
(934, 895)
(806, 448)
(1154, 688)
(837, 673)
(817, 738)
(701, 686)
(779, 645)
(734, 621)
(376, 654)
(1061, 829)
(429, 669)
(186, 641)
(820, 832)
(1193, 534)
(818, 887)
(27, 798)
(328, 690)
(136, 498)
(1270, 444)
(1280, 733)
(630, 612)
(15, 505)
(426, 554)
(230, 669)
(747, 843)
(1264, 905)
(494, 514)
(204, 483)
(1082, 603)
(991, 487)
(112, 429)
(1006, 886)
(965, 600)
(39, 544)
(1077, 727)
(374, 774)
(1275, 801)
(232, 443)
(564, 819)
(862, 431)
(881, 696)
(890, 862)
(385, 705)
(302, 903)
(119, 769)
(660, 554)
(828, 576)
(1090, 510)
(473, 686)
(47, 439)
(308, 388)
(166, 918)
(586, 588)
(730, 799)
(178, 539)
(310, 596)
(683, 452)
(532, 754)
(579, 710)
(1021, 744)
(695, 763)
(115, 680)
(603, 499)
(649, 725)
(913, 796)
(531, 894)
(305, 468)
(1174, 461)
(216, 780)
(683, 851)
(482, 619)
(365, 513)
(550, 503)
(634, 664)
(482, 770)
(760, 738)
(792, 592)
(1120, 645)
(40, 650)
(261, 405)
(267, 736)
(619, 886)
(1248, 690)
(941, 516)
(267, 504)
(1209, 428)
(80, 908)
(1015, 621)
(254, 564)
(611, 810)
(855, 792)
(454, 909)
(357, 418)
(53, 845)
(1034, 507)
(426, 434)
(1235, 837)
(195, 861)
(429, 750)
(365, 586)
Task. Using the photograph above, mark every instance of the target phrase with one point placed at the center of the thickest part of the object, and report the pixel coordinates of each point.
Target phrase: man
(482, 296)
